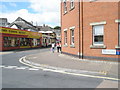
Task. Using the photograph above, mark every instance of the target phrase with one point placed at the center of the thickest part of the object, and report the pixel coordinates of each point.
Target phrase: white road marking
(34, 69)
(3, 53)
(8, 67)
(24, 67)
(20, 68)
(63, 72)
(12, 66)
(46, 69)
(2, 66)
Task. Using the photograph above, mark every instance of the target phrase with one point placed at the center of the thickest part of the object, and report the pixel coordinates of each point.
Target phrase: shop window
(65, 37)
(38, 42)
(22, 41)
(49, 40)
(6, 42)
(11, 42)
(65, 6)
(72, 36)
(35, 42)
(26, 42)
(16, 42)
(98, 34)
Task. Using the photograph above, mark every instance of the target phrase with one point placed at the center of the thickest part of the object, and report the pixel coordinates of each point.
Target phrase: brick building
(91, 29)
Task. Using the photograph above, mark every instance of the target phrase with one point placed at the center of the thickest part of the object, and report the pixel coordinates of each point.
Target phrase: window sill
(72, 46)
(92, 0)
(117, 47)
(72, 8)
(65, 12)
(65, 45)
(97, 46)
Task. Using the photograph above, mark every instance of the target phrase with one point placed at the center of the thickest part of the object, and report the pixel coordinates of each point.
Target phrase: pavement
(68, 64)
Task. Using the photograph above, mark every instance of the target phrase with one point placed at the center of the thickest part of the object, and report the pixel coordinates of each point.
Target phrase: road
(17, 75)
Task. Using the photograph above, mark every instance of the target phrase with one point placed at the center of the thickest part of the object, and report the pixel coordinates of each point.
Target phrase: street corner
(45, 67)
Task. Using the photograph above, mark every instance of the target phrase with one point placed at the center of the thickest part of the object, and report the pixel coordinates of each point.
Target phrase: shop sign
(109, 51)
(12, 31)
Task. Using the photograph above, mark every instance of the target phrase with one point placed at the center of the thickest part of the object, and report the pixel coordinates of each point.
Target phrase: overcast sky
(39, 11)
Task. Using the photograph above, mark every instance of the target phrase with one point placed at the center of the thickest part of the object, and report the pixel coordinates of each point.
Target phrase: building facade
(3, 22)
(58, 34)
(54, 33)
(91, 29)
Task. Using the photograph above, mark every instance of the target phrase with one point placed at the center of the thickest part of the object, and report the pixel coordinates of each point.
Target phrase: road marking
(8, 67)
(59, 71)
(12, 66)
(34, 69)
(2, 66)
(20, 68)
(24, 67)
(3, 53)
(46, 69)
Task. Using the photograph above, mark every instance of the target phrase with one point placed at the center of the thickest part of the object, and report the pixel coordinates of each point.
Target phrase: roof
(21, 23)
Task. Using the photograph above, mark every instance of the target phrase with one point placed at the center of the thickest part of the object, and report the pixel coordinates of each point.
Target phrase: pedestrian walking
(58, 45)
(53, 47)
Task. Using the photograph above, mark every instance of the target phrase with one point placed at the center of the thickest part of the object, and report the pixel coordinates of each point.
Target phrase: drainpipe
(82, 28)
(79, 27)
(61, 24)
(118, 30)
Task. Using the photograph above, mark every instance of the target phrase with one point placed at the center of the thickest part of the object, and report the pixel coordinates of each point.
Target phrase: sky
(37, 11)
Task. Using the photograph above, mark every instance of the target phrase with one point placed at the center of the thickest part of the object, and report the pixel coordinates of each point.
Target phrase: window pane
(72, 4)
(98, 30)
(65, 37)
(72, 39)
(98, 39)
(72, 32)
(65, 6)
(6, 42)
(72, 36)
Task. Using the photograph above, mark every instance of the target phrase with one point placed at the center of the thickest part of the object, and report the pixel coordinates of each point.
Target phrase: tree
(57, 27)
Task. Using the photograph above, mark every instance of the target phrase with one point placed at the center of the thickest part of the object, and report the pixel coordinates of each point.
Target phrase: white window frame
(65, 37)
(92, 0)
(65, 6)
(72, 35)
(118, 22)
(72, 5)
(97, 44)
(119, 34)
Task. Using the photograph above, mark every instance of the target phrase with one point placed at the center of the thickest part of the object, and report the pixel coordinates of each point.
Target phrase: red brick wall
(70, 19)
(97, 12)
(92, 12)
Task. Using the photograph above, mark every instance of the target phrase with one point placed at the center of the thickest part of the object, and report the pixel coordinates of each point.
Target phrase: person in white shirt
(53, 47)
